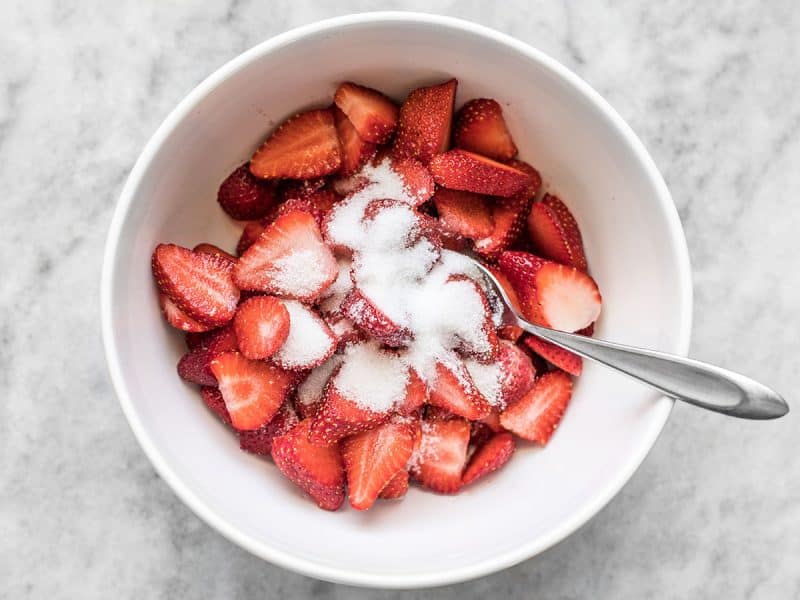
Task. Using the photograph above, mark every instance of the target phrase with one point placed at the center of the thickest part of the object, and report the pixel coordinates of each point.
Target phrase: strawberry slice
(356, 151)
(253, 390)
(372, 458)
(454, 390)
(317, 203)
(481, 343)
(373, 115)
(289, 259)
(397, 486)
(416, 394)
(463, 170)
(302, 147)
(259, 441)
(517, 372)
(339, 417)
(555, 234)
(251, 232)
(362, 311)
(464, 213)
(195, 366)
(534, 181)
(442, 455)
(416, 177)
(177, 318)
(212, 398)
(489, 457)
(425, 121)
(492, 421)
(537, 414)
(509, 220)
(199, 284)
(310, 341)
(245, 197)
(508, 332)
(317, 470)
(553, 295)
(205, 248)
(481, 128)
(262, 326)
(563, 359)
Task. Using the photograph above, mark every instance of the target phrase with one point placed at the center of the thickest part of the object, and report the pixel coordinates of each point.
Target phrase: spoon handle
(692, 381)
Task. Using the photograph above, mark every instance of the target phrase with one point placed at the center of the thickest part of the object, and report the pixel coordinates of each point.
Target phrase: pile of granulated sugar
(298, 273)
(309, 342)
(372, 378)
(488, 379)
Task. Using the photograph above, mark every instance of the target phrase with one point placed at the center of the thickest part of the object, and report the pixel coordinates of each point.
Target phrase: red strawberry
(442, 455)
(251, 232)
(425, 121)
(245, 197)
(416, 394)
(552, 295)
(563, 359)
(253, 390)
(339, 417)
(317, 470)
(195, 366)
(317, 203)
(199, 284)
(484, 347)
(302, 147)
(492, 421)
(300, 188)
(215, 250)
(416, 177)
(310, 341)
(262, 326)
(289, 259)
(397, 486)
(534, 181)
(372, 458)
(373, 115)
(177, 318)
(509, 219)
(369, 318)
(508, 332)
(489, 457)
(462, 170)
(480, 128)
(464, 213)
(537, 414)
(555, 234)
(259, 441)
(517, 372)
(457, 393)
(212, 398)
(345, 331)
(356, 151)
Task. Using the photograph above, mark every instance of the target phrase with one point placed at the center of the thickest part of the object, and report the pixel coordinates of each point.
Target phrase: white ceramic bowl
(584, 150)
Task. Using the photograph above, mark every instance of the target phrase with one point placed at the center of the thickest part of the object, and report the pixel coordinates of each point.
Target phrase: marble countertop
(711, 88)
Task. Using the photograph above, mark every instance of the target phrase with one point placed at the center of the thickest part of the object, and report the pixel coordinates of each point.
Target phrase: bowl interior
(635, 250)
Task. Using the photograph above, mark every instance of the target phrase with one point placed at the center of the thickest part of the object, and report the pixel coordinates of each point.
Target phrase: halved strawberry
(262, 326)
(356, 151)
(481, 128)
(259, 441)
(555, 355)
(317, 203)
(253, 390)
(212, 398)
(316, 469)
(537, 414)
(302, 147)
(205, 248)
(456, 392)
(195, 365)
(397, 486)
(289, 259)
(442, 455)
(534, 178)
(177, 318)
(339, 417)
(251, 232)
(509, 219)
(517, 372)
(463, 170)
(310, 341)
(373, 115)
(245, 197)
(425, 121)
(372, 458)
(464, 213)
(489, 457)
(508, 332)
(551, 294)
(416, 177)
(199, 284)
(416, 394)
(555, 234)
(362, 311)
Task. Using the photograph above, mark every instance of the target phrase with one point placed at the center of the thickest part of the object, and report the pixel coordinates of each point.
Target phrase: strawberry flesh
(555, 234)
(517, 372)
(463, 170)
(262, 326)
(425, 121)
(537, 414)
(442, 455)
(561, 358)
(373, 115)
(356, 151)
(481, 128)
(245, 197)
(177, 318)
(195, 366)
(365, 314)
(259, 441)
(339, 417)
(489, 457)
(397, 486)
(457, 393)
(464, 213)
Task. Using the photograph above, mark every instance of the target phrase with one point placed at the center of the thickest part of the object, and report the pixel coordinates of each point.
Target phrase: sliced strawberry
(372, 458)
(177, 318)
(425, 121)
(481, 128)
(462, 170)
(456, 392)
(253, 390)
(259, 441)
(262, 326)
(553, 295)
(310, 341)
(489, 457)
(212, 398)
(199, 284)
(416, 394)
(356, 151)
(517, 372)
(464, 213)
(563, 359)
(442, 455)
(195, 366)
(397, 486)
(587, 331)
(416, 177)
(509, 221)
(302, 147)
(244, 196)
(482, 343)
(534, 178)
(537, 414)
(317, 470)
(508, 332)
(373, 115)
(251, 232)
(289, 259)
(362, 311)
(215, 250)
(492, 421)
(555, 234)
(339, 417)
(317, 203)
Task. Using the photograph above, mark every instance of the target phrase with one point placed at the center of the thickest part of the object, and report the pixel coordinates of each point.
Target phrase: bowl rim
(351, 576)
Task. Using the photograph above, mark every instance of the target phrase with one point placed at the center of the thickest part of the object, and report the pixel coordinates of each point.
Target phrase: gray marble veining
(711, 88)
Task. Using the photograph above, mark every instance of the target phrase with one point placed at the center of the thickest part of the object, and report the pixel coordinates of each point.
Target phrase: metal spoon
(692, 381)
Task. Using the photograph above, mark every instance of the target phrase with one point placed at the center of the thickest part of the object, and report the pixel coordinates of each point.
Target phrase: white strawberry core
(309, 339)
